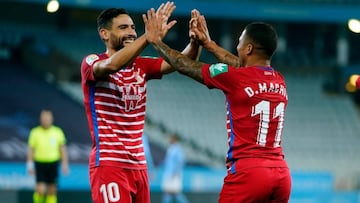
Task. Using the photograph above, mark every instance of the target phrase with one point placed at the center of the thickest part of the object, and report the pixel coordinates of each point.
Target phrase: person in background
(256, 100)
(148, 156)
(172, 180)
(46, 148)
(114, 86)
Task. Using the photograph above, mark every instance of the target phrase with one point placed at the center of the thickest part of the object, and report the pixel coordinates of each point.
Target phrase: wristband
(30, 165)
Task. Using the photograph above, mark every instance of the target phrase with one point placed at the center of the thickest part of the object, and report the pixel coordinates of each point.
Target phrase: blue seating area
(23, 95)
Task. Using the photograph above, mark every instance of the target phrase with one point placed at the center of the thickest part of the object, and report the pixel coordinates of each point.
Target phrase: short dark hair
(104, 20)
(175, 136)
(264, 35)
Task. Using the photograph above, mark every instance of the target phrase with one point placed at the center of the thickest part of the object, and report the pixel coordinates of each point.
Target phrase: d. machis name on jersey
(267, 88)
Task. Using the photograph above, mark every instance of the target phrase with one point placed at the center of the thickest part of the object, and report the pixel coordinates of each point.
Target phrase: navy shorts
(47, 172)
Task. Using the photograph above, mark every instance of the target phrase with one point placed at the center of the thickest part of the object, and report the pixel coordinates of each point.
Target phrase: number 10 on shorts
(110, 192)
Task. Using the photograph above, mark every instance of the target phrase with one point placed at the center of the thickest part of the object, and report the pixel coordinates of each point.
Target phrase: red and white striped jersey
(256, 100)
(115, 107)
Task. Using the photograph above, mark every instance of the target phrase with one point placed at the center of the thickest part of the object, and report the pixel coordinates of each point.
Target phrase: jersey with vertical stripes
(256, 99)
(115, 109)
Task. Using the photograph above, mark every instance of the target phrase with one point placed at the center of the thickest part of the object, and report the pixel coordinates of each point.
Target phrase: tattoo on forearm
(230, 59)
(222, 55)
(225, 57)
(180, 62)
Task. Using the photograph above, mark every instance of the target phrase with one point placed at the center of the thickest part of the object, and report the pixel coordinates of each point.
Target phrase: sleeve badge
(91, 59)
(218, 68)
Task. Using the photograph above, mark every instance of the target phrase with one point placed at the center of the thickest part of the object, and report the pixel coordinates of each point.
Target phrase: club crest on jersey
(91, 58)
(131, 96)
(218, 68)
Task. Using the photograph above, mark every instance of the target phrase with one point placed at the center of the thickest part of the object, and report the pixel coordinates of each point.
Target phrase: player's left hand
(193, 23)
(198, 28)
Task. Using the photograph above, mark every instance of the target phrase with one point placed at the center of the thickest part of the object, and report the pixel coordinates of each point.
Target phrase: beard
(120, 42)
(117, 44)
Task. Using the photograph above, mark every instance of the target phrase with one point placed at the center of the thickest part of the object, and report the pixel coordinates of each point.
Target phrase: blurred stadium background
(40, 56)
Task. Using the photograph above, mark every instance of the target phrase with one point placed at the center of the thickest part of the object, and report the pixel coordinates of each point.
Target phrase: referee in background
(47, 147)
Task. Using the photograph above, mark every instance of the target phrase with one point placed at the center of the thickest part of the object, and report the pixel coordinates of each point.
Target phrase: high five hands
(198, 28)
(157, 25)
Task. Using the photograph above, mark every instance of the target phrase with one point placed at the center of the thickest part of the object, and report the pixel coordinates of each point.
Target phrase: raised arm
(201, 33)
(120, 58)
(180, 62)
(192, 50)
(127, 54)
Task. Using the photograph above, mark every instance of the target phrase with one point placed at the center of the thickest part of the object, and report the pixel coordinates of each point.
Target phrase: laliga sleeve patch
(91, 58)
(218, 68)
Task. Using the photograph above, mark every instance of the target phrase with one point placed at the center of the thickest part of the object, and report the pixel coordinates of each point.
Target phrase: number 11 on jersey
(263, 110)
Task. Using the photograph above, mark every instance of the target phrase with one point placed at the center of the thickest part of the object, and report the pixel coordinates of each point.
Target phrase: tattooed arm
(154, 27)
(180, 62)
(221, 54)
(201, 33)
(192, 50)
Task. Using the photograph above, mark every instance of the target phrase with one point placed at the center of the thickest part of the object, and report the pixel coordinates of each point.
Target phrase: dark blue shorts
(47, 172)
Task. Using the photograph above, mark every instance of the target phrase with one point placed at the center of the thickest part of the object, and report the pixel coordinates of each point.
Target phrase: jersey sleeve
(358, 83)
(151, 66)
(87, 67)
(62, 138)
(31, 140)
(217, 76)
